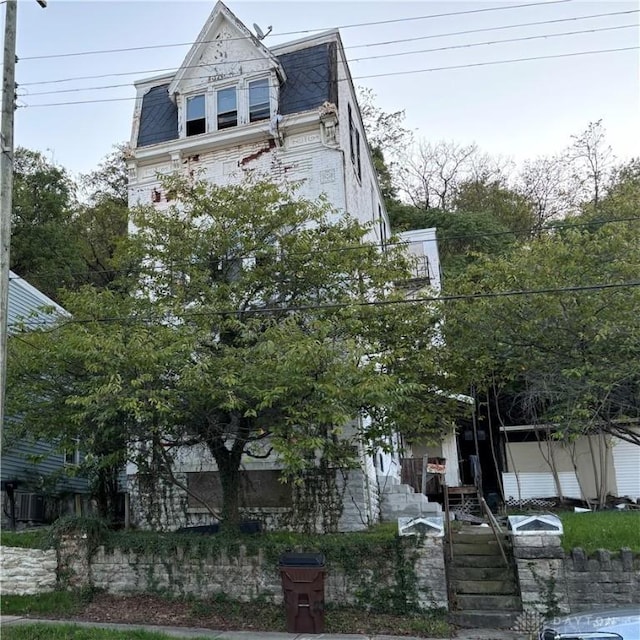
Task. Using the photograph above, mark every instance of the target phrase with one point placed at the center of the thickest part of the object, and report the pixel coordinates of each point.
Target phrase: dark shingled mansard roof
(311, 81)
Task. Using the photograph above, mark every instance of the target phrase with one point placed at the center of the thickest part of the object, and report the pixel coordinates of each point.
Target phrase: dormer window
(259, 104)
(196, 115)
(227, 108)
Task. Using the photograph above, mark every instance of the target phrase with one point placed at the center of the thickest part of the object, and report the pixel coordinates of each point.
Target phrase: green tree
(506, 206)
(463, 237)
(569, 357)
(101, 220)
(250, 331)
(45, 249)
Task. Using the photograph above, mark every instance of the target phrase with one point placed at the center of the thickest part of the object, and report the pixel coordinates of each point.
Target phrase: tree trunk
(230, 481)
(229, 462)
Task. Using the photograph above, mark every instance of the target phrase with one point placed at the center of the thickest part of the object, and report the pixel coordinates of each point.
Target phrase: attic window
(259, 107)
(196, 116)
(227, 108)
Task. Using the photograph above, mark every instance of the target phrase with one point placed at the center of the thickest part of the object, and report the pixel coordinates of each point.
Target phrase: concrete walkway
(189, 632)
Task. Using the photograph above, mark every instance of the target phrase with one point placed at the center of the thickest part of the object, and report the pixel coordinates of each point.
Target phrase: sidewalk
(190, 632)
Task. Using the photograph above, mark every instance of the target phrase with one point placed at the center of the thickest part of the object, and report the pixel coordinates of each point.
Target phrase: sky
(517, 110)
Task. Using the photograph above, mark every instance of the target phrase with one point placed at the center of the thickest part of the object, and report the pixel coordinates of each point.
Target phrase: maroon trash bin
(303, 586)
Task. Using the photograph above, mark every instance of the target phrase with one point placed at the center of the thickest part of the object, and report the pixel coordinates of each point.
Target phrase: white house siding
(526, 485)
(626, 459)
(363, 197)
(309, 145)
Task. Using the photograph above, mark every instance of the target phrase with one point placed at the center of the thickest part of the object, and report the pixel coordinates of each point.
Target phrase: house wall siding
(303, 159)
(38, 465)
(626, 460)
(530, 461)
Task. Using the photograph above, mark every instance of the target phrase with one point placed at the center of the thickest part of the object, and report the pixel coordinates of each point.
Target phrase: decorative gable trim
(220, 14)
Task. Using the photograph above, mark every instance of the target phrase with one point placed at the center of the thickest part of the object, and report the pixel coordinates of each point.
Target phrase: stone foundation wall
(27, 571)
(165, 507)
(552, 582)
(242, 576)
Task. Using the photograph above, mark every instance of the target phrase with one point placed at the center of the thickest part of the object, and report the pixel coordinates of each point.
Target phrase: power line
(344, 305)
(381, 75)
(375, 57)
(372, 44)
(367, 246)
(498, 28)
(288, 33)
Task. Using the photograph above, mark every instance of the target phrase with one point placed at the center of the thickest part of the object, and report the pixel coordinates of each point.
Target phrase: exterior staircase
(399, 500)
(483, 591)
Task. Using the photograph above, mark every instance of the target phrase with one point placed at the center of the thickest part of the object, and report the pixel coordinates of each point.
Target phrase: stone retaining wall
(243, 576)
(552, 582)
(27, 571)
(602, 579)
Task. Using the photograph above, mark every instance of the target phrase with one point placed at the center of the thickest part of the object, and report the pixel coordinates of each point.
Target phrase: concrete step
(489, 587)
(399, 488)
(483, 561)
(487, 548)
(466, 602)
(484, 619)
(409, 511)
(479, 537)
(480, 573)
(384, 482)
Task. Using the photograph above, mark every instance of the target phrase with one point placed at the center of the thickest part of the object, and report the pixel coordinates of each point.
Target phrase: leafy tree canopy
(44, 247)
(567, 358)
(249, 331)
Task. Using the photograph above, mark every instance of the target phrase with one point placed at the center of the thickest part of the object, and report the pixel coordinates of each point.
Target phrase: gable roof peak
(218, 15)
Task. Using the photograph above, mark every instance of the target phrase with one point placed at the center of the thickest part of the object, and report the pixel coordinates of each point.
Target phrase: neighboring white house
(234, 108)
(536, 464)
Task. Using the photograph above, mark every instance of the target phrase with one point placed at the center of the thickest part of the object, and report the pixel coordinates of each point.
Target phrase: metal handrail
(495, 527)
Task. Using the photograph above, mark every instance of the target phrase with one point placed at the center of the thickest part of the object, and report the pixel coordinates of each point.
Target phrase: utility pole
(6, 184)
(8, 104)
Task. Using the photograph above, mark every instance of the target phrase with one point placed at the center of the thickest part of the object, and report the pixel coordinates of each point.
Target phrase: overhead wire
(371, 44)
(350, 304)
(375, 245)
(375, 57)
(301, 31)
(377, 75)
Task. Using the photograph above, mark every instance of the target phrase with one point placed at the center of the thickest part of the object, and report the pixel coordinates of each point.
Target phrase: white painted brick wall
(27, 571)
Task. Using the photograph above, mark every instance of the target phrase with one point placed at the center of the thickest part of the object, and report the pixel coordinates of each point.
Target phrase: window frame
(269, 102)
(243, 109)
(72, 457)
(188, 98)
(217, 91)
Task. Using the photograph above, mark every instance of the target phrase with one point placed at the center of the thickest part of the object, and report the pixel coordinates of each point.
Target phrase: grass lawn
(62, 603)
(73, 632)
(25, 539)
(610, 530)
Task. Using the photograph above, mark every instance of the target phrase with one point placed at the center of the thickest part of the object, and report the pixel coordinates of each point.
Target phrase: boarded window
(257, 489)
(227, 108)
(196, 115)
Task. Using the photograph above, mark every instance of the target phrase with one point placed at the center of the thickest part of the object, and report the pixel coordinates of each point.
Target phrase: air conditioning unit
(30, 507)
